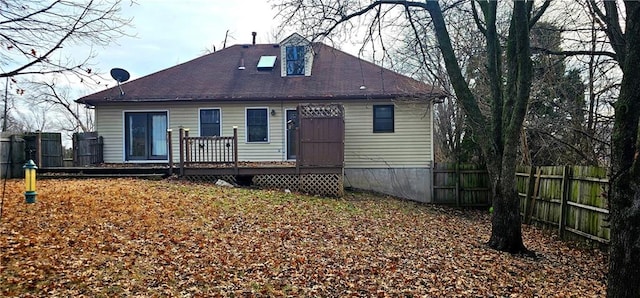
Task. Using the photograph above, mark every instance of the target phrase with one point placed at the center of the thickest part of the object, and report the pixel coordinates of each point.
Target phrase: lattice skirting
(322, 184)
(278, 181)
(315, 184)
(211, 178)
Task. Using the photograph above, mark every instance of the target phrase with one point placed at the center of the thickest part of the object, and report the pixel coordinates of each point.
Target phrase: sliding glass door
(145, 135)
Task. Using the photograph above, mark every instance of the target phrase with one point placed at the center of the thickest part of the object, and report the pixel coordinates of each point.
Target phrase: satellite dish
(121, 76)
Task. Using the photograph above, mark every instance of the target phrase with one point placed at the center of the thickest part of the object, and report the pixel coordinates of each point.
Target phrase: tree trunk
(499, 142)
(506, 224)
(624, 196)
(506, 233)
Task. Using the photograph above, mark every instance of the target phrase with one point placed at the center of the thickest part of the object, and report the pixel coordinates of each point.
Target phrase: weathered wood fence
(461, 185)
(570, 199)
(44, 148)
(87, 149)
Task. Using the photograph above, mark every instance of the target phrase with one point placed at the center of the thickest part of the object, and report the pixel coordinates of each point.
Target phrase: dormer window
(295, 60)
(296, 56)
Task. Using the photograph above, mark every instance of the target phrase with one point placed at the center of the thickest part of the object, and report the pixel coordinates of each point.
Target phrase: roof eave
(423, 96)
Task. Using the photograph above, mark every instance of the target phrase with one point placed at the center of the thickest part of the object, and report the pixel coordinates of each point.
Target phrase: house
(257, 87)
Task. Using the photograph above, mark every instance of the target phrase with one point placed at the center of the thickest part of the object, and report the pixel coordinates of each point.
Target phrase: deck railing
(208, 150)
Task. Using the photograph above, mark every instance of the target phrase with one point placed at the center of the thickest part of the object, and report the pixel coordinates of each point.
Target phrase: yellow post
(30, 182)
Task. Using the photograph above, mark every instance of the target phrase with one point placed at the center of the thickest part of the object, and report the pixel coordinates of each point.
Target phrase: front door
(145, 135)
(292, 127)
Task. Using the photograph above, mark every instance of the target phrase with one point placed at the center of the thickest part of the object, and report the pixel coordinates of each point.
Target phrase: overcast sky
(169, 32)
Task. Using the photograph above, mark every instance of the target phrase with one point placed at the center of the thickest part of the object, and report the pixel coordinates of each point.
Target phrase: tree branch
(536, 16)
(573, 53)
(476, 18)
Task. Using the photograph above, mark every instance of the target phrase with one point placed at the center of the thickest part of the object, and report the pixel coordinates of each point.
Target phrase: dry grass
(122, 237)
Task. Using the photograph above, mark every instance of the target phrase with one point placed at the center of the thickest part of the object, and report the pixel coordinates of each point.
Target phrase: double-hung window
(383, 118)
(210, 122)
(295, 60)
(257, 120)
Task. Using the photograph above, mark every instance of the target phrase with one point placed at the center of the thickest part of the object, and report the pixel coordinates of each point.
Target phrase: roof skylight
(266, 62)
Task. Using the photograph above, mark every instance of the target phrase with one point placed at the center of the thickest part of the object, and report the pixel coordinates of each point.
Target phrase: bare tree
(498, 133)
(32, 31)
(421, 59)
(624, 194)
(74, 117)
(33, 34)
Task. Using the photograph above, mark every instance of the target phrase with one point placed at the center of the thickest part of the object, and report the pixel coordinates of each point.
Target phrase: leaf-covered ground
(122, 237)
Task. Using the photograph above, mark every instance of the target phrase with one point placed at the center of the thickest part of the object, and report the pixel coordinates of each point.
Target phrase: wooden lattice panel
(322, 184)
(211, 178)
(277, 181)
(316, 184)
(321, 111)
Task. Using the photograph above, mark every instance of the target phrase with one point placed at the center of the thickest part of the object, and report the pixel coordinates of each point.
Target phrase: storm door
(145, 135)
(292, 126)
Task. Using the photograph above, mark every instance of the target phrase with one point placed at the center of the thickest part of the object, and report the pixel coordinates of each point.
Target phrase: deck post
(235, 148)
(74, 148)
(181, 145)
(187, 150)
(170, 151)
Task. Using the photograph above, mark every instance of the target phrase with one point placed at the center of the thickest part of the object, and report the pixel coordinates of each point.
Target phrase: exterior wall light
(30, 182)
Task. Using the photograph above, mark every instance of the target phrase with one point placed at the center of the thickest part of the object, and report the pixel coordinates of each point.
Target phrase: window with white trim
(210, 122)
(257, 120)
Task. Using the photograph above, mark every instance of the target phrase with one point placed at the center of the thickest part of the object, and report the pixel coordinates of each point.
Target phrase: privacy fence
(571, 199)
(44, 148)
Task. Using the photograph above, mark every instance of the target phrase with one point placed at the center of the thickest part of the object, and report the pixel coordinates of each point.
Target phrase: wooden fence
(44, 148)
(87, 149)
(11, 156)
(570, 199)
(461, 185)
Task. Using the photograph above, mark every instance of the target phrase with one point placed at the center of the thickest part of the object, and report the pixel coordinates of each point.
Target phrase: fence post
(566, 175)
(39, 148)
(181, 146)
(527, 198)
(534, 195)
(74, 145)
(457, 190)
(100, 153)
(170, 151)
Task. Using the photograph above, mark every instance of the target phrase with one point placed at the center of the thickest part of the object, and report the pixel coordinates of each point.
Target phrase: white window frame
(200, 122)
(246, 125)
(124, 135)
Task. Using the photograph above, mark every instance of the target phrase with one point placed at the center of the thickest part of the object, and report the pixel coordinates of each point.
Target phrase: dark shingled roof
(335, 75)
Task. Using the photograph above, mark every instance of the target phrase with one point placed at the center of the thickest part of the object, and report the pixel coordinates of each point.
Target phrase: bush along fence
(570, 199)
